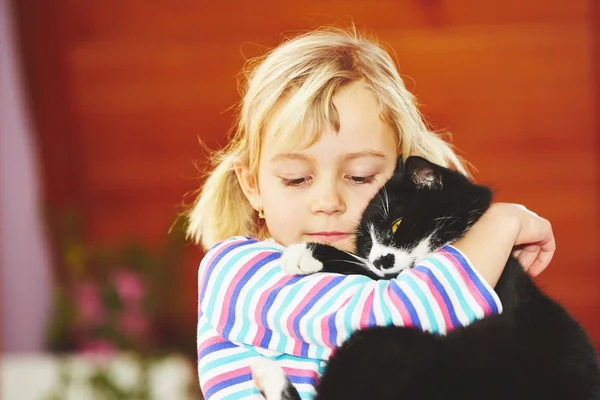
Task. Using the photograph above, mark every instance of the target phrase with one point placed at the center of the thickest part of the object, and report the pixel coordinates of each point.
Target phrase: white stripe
(306, 364)
(305, 389)
(242, 361)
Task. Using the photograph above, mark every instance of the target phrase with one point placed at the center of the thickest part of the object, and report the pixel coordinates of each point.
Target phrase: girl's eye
(360, 180)
(294, 182)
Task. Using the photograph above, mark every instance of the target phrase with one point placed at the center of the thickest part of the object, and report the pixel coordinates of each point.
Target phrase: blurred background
(103, 105)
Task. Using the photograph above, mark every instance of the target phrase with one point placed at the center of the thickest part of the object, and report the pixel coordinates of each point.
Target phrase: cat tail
(272, 382)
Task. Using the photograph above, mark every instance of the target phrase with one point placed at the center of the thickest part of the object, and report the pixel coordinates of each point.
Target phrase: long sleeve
(246, 297)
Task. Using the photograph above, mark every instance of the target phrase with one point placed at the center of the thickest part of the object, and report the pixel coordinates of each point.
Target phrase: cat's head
(421, 208)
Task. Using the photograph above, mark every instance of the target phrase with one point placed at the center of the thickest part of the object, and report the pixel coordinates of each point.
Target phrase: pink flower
(97, 347)
(129, 286)
(90, 307)
(132, 322)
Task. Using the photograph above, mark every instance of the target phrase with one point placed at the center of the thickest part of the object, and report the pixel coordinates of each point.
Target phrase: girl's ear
(249, 186)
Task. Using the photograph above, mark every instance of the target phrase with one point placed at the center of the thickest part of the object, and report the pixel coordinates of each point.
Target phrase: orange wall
(122, 91)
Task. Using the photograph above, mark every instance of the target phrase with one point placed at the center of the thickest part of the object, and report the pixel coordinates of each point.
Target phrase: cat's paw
(268, 377)
(298, 259)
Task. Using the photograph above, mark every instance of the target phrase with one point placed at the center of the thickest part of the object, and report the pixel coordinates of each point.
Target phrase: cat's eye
(396, 224)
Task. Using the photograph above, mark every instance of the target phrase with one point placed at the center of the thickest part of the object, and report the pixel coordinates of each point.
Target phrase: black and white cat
(532, 350)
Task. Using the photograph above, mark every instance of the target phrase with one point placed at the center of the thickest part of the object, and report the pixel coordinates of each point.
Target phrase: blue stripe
(216, 347)
(225, 384)
(304, 349)
(372, 319)
(332, 330)
(478, 283)
(302, 379)
(236, 291)
(407, 303)
(442, 290)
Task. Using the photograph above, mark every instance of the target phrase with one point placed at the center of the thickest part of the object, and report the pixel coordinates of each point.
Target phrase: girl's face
(318, 194)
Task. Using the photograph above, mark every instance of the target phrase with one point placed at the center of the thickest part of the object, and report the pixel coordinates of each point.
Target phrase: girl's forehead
(352, 125)
(335, 146)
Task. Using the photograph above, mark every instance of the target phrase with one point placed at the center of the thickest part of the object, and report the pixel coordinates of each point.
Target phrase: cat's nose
(384, 262)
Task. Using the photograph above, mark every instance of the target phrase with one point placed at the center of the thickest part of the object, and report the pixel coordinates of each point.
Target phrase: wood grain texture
(123, 90)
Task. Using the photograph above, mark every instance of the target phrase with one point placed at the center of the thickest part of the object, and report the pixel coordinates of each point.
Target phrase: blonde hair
(299, 79)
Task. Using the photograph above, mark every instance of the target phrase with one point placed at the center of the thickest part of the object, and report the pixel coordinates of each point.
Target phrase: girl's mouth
(328, 237)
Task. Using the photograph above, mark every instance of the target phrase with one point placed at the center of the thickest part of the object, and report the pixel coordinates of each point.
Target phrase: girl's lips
(329, 236)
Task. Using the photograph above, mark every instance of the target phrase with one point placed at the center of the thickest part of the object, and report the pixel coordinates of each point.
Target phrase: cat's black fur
(532, 350)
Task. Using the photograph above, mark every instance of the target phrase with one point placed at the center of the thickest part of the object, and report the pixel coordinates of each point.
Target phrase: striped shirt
(249, 307)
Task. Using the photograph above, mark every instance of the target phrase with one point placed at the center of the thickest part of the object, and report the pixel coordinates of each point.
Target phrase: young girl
(323, 118)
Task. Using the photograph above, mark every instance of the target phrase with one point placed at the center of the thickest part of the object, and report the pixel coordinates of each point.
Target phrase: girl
(323, 118)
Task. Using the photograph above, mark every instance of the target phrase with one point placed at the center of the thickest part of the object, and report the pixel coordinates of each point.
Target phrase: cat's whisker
(350, 262)
(387, 202)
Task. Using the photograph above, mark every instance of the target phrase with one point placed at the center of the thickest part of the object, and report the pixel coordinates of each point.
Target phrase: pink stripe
(222, 249)
(233, 285)
(307, 373)
(366, 311)
(260, 310)
(215, 380)
(401, 307)
(468, 282)
(298, 309)
(209, 342)
(438, 297)
(325, 331)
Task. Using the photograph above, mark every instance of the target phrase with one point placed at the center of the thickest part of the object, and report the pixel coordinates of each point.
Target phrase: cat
(533, 350)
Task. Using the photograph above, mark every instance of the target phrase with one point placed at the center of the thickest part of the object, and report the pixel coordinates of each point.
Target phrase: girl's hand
(535, 244)
(504, 229)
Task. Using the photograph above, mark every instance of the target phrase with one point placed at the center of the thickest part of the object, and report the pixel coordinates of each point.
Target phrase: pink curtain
(24, 258)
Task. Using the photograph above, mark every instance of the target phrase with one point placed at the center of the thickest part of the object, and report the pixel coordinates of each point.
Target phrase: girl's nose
(328, 199)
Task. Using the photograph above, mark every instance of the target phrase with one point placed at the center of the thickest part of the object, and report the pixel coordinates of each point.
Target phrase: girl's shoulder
(246, 243)
(247, 240)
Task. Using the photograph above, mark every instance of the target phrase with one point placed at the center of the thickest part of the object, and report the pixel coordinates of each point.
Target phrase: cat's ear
(423, 173)
(399, 166)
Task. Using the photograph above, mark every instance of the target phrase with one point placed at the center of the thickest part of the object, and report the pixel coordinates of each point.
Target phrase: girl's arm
(492, 239)
(249, 300)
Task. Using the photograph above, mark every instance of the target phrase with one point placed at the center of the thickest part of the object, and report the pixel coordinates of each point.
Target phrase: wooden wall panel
(136, 84)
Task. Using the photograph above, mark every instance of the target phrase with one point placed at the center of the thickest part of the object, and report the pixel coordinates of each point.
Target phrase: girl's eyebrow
(346, 157)
(361, 154)
(290, 156)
